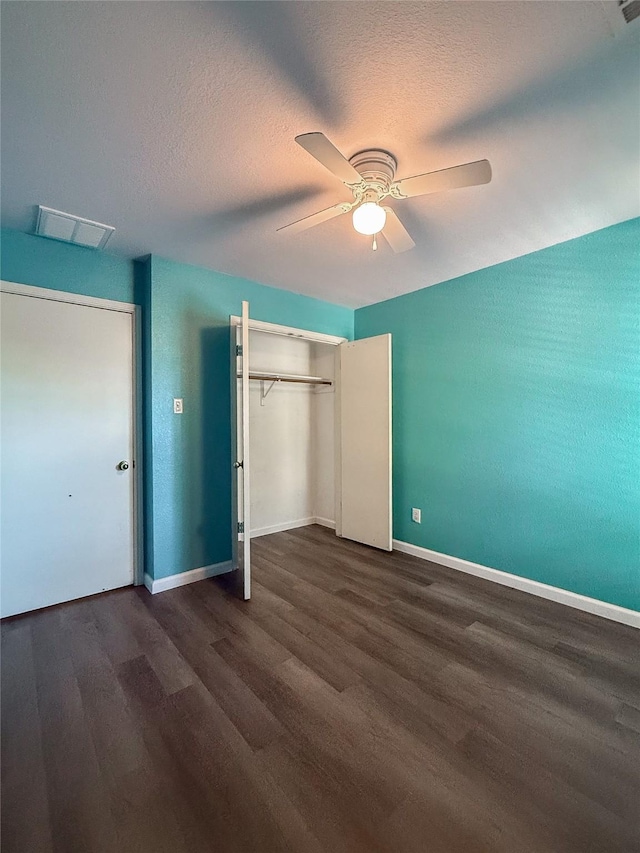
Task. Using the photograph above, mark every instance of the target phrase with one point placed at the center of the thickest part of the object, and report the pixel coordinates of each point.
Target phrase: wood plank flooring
(362, 702)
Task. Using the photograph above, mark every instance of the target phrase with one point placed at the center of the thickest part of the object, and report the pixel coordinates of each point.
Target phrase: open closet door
(240, 452)
(365, 441)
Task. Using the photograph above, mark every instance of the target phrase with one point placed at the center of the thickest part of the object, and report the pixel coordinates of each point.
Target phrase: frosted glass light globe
(369, 218)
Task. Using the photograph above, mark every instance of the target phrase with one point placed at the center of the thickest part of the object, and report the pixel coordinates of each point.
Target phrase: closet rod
(278, 377)
(311, 380)
(272, 378)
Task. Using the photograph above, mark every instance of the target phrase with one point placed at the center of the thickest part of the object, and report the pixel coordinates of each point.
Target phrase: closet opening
(311, 428)
(291, 432)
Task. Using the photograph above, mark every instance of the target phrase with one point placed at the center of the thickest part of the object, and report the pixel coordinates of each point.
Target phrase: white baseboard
(291, 525)
(184, 578)
(277, 528)
(543, 590)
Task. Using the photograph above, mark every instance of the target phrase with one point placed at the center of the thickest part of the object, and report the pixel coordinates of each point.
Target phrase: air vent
(630, 9)
(72, 229)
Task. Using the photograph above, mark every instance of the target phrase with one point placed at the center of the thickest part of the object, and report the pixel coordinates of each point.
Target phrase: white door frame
(124, 308)
(289, 331)
(318, 338)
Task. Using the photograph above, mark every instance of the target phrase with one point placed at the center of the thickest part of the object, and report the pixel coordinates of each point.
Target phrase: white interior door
(67, 485)
(240, 429)
(365, 441)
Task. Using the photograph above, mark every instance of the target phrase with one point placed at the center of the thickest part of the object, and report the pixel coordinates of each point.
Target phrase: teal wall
(38, 261)
(185, 353)
(516, 403)
(517, 414)
(190, 358)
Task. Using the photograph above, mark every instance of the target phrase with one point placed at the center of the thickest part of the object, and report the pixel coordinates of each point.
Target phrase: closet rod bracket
(264, 394)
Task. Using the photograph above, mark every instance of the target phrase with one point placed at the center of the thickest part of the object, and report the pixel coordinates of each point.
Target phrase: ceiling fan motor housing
(377, 167)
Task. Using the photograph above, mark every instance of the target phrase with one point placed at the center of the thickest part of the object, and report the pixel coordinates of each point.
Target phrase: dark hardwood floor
(361, 702)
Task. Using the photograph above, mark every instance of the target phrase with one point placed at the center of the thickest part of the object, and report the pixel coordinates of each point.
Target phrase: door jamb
(136, 330)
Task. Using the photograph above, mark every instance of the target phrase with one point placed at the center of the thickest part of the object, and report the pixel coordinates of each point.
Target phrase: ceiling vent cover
(72, 229)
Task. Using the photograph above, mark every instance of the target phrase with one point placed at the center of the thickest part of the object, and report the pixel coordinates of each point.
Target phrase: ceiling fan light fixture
(369, 218)
(371, 177)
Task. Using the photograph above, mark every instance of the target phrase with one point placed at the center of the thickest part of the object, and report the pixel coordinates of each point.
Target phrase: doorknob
(122, 466)
(238, 464)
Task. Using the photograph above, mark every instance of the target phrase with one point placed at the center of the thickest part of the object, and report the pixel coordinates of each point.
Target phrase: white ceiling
(175, 122)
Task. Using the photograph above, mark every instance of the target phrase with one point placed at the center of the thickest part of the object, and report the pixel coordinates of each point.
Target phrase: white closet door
(67, 443)
(365, 441)
(240, 429)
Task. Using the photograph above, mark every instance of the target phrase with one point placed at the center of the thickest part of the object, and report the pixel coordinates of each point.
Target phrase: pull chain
(375, 243)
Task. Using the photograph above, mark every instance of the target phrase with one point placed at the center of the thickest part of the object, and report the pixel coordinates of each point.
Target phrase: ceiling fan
(370, 175)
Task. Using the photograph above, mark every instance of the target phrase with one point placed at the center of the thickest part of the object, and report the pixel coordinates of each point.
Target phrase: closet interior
(292, 429)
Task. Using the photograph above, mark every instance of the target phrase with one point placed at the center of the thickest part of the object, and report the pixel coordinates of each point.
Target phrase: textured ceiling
(175, 122)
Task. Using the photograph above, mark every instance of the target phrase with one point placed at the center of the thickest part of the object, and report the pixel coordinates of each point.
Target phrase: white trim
(543, 590)
(337, 443)
(63, 296)
(324, 522)
(246, 454)
(291, 525)
(136, 427)
(138, 450)
(184, 578)
(234, 340)
(277, 528)
(289, 331)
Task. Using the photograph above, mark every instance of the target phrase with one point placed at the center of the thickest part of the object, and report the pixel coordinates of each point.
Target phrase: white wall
(323, 433)
(292, 435)
(281, 470)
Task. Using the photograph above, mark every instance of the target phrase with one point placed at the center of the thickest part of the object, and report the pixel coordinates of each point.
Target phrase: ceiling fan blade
(326, 153)
(468, 175)
(317, 218)
(396, 234)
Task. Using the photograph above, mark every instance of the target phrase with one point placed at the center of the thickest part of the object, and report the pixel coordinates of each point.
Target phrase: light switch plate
(177, 405)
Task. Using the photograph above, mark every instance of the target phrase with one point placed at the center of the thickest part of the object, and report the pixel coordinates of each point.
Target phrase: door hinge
(241, 527)
(238, 349)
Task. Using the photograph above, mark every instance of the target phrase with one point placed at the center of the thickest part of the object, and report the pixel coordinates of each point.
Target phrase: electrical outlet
(177, 406)
(416, 515)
